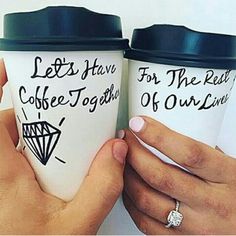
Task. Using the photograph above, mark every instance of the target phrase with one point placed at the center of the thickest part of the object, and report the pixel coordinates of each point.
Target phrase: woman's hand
(206, 195)
(26, 209)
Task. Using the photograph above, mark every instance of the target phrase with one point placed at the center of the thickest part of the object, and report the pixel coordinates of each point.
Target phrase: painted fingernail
(136, 124)
(120, 134)
(120, 150)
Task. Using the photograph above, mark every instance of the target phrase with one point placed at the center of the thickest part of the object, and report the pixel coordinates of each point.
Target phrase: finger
(164, 177)
(146, 224)
(3, 77)
(1, 93)
(10, 160)
(7, 117)
(155, 204)
(197, 157)
(6, 143)
(101, 188)
(3, 74)
(145, 198)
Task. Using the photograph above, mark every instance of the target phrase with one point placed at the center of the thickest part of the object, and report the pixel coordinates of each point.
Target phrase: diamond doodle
(41, 138)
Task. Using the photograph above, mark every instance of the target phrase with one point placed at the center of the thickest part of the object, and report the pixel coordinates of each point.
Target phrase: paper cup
(65, 80)
(181, 78)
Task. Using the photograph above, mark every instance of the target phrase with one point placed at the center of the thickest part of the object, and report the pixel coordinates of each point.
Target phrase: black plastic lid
(178, 45)
(62, 28)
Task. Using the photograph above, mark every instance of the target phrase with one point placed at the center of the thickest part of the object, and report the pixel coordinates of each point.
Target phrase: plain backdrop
(216, 16)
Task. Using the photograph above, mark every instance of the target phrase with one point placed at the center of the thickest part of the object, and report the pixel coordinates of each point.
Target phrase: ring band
(174, 218)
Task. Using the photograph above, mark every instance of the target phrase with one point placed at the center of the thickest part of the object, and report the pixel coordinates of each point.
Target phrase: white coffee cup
(181, 97)
(169, 63)
(181, 78)
(65, 88)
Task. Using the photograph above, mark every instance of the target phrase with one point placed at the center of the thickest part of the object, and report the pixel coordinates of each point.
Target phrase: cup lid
(178, 45)
(62, 28)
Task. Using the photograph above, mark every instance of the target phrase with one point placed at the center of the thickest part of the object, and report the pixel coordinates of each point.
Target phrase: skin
(206, 195)
(26, 209)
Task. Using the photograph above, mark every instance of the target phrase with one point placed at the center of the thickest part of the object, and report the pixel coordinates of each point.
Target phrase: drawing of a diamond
(41, 138)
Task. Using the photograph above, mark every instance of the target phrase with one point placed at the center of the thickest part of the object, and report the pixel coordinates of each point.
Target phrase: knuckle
(223, 211)
(209, 202)
(158, 140)
(143, 202)
(166, 184)
(110, 186)
(152, 179)
(194, 157)
(114, 186)
(142, 225)
(218, 207)
(162, 182)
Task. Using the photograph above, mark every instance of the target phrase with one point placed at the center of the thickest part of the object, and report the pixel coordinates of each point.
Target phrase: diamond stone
(175, 218)
(41, 138)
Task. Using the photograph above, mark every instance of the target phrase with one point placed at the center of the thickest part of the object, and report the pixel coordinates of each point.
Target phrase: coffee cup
(182, 78)
(64, 67)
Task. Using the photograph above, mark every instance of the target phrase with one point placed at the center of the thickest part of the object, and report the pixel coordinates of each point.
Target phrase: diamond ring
(174, 218)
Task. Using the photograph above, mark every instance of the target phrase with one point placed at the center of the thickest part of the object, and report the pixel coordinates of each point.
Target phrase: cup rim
(64, 44)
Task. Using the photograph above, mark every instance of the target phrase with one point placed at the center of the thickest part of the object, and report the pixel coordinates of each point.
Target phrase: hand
(26, 209)
(206, 195)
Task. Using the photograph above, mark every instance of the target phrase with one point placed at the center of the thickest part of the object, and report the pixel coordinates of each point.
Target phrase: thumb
(100, 188)
(3, 77)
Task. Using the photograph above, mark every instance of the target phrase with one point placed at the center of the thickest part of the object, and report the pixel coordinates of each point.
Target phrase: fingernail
(120, 150)
(136, 124)
(1, 92)
(120, 134)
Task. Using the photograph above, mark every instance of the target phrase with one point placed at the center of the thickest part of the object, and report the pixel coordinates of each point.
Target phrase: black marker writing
(76, 94)
(59, 69)
(213, 79)
(172, 101)
(40, 99)
(96, 69)
(148, 77)
(75, 97)
(209, 103)
(178, 77)
(147, 99)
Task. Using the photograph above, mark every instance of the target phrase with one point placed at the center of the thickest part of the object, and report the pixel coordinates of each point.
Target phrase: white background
(206, 15)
